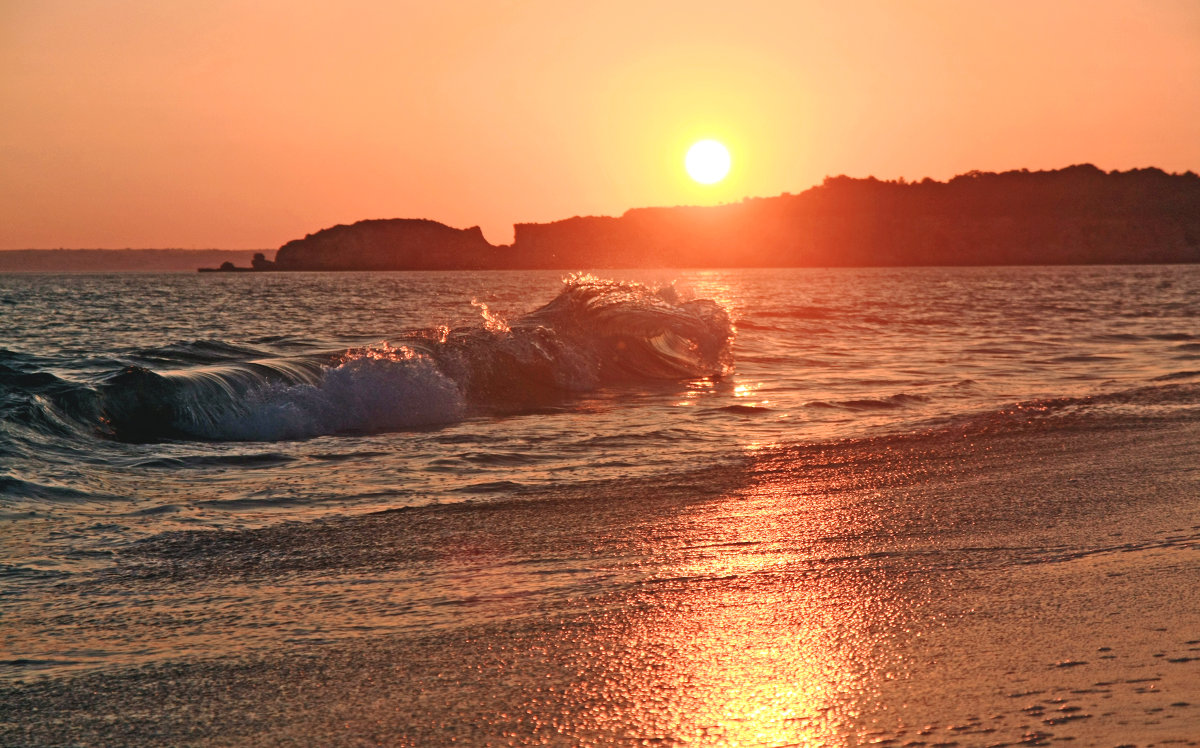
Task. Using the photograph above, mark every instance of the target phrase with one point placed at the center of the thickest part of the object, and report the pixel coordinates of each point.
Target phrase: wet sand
(1028, 586)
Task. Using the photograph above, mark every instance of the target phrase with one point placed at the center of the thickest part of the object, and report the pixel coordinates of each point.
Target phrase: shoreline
(1026, 585)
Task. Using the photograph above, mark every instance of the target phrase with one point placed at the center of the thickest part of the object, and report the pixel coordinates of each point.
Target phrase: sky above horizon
(224, 124)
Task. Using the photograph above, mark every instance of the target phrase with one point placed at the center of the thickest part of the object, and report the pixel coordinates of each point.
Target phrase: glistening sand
(1022, 586)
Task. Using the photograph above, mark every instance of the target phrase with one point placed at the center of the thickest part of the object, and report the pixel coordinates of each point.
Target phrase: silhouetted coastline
(1073, 216)
(116, 260)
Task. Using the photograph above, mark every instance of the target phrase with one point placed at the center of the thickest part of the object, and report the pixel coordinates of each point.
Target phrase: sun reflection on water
(762, 634)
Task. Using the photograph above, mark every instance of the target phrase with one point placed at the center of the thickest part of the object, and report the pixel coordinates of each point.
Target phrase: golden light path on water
(751, 637)
(750, 667)
(770, 646)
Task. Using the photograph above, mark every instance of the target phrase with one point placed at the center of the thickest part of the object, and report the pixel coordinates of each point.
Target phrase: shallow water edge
(1002, 586)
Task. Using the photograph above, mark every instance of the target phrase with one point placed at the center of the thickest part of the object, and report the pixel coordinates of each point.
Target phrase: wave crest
(595, 332)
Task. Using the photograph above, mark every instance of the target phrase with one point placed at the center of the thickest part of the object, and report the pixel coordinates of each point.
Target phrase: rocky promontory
(1076, 215)
(389, 244)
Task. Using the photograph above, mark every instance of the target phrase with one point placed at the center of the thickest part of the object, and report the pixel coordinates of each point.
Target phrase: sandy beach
(1022, 585)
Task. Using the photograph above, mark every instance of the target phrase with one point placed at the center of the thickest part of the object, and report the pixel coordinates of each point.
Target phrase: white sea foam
(375, 389)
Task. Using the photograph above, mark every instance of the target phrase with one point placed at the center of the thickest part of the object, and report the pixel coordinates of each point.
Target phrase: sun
(707, 161)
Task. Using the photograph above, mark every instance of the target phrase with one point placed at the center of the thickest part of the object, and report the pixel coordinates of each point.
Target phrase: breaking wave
(595, 332)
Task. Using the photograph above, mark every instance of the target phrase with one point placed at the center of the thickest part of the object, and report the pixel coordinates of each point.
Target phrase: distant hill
(1076, 215)
(116, 260)
(391, 244)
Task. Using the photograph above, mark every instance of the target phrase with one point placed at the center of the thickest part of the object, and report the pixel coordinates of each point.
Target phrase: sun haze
(245, 125)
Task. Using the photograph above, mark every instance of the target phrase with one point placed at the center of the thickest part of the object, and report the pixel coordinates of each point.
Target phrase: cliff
(391, 244)
(1077, 215)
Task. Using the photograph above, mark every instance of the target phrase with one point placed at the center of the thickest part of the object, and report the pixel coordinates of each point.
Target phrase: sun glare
(707, 162)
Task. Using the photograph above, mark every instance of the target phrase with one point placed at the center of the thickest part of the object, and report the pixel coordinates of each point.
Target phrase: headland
(1072, 216)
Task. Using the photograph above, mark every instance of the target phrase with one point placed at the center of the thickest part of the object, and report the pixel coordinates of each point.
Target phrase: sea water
(210, 429)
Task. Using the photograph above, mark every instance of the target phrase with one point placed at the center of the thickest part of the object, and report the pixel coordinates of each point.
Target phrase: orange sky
(216, 123)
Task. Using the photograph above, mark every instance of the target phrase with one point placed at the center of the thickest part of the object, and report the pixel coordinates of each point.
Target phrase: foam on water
(593, 332)
(373, 389)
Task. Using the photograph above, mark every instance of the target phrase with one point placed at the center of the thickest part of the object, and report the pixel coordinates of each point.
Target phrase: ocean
(955, 506)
